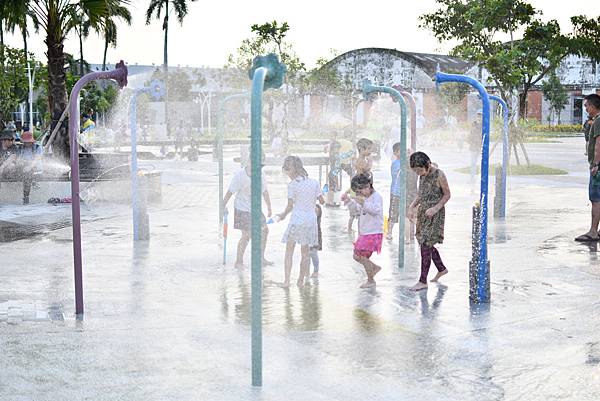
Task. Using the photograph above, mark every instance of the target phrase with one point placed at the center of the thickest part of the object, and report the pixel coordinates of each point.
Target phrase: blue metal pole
(367, 90)
(505, 145)
(482, 273)
(266, 73)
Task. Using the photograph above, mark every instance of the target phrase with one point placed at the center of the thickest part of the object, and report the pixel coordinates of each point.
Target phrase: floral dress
(430, 230)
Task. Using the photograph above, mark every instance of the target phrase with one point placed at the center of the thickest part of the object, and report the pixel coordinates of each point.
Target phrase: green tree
(109, 29)
(180, 84)
(156, 8)
(270, 37)
(55, 19)
(515, 66)
(555, 94)
(14, 86)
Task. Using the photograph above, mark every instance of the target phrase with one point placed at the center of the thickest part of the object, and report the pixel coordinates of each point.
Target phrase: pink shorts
(366, 244)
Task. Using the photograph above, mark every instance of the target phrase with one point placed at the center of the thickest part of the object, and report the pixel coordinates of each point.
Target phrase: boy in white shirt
(241, 186)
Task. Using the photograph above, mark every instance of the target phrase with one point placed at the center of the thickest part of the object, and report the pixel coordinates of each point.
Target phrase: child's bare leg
(265, 234)
(368, 269)
(304, 263)
(350, 222)
(241, 249)
(289, 256)
(390, 231)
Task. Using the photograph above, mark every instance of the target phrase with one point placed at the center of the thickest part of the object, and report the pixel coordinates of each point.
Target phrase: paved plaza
(165, 320)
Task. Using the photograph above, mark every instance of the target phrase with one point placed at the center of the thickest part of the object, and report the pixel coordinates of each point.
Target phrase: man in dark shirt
(592, 106)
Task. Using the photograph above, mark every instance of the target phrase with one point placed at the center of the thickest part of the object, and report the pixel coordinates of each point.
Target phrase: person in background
(179, 139)
(362, 165)
(30, 155)
(592, 107)
(242, 217)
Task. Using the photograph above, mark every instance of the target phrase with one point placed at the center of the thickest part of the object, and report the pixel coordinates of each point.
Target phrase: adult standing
(592, 107)
(29, 154)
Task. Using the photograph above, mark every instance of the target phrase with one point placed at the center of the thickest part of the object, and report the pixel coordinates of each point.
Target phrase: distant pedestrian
(303, 192)
(30, 154)
(368, 205)
(179, 139)
(592, 107)
(429, 211)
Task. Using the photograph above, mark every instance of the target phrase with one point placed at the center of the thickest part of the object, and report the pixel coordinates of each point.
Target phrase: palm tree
(155, 7)
(110, 28)
(181, 10)
(56, 19)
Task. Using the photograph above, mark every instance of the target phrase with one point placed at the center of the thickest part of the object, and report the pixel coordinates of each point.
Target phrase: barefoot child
(428, 208)
(240, 186)
(302, 229)
(369, 206)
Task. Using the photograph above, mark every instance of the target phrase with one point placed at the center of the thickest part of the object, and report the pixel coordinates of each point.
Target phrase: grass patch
(534, 169)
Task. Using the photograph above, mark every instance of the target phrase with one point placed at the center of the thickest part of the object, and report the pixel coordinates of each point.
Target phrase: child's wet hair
(396, 147)
(419, 159)
(360, 181)
(294, 165)
(364, 144)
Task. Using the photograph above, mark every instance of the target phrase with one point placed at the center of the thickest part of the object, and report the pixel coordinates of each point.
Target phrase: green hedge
(575, 128)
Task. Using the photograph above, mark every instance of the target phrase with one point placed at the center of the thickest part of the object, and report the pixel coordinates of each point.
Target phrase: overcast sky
(212, 30)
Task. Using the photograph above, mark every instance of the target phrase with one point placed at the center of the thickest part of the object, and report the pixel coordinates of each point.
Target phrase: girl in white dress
(303, 192)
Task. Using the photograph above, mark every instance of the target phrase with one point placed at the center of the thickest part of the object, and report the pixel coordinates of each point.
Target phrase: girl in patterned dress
(428, 208)
(368, 205)
(303, 192)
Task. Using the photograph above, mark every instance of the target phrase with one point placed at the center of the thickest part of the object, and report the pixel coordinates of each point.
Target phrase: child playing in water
(314, 250)
(428, 208)
(240, 186)
(369, 206)
(411, 189)
(362, 165)
(302, 229)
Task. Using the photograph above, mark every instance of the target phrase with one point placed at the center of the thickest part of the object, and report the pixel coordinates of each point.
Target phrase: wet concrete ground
(165, 320)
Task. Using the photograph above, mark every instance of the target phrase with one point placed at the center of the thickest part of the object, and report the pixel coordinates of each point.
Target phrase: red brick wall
(534, 105)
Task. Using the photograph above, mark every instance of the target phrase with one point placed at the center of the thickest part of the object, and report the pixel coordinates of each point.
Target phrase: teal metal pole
(220, 133)
(368, 88)
(266, 73)
(501, 102)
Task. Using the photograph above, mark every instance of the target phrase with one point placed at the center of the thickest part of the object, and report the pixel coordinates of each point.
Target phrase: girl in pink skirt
(368, 205)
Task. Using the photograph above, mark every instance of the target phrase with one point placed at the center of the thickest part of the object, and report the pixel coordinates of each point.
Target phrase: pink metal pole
(120, 75)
